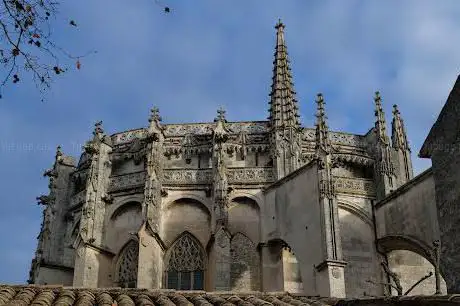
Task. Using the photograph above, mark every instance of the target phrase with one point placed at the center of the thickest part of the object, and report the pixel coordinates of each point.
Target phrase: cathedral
(251, 206)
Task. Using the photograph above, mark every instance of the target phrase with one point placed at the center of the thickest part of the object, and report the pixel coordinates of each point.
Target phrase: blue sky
(212, 53)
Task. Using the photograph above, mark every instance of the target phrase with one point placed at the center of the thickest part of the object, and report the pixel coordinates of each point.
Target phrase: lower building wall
(54, 276)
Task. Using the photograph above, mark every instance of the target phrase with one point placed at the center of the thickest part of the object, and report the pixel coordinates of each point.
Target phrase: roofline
(427, 146)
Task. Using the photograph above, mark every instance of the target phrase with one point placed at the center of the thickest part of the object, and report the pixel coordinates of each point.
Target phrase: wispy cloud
(211, 53)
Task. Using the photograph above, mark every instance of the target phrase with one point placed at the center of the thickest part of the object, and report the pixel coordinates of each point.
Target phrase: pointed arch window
(127, 265)
(185, 265)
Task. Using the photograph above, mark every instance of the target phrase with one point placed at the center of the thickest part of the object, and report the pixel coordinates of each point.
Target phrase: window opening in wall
(128, 264)
(199, 161)
(257, 159)
(185, 269)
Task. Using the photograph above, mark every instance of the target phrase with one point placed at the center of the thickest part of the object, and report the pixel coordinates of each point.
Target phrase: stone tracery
(128, 264)
(185, 264)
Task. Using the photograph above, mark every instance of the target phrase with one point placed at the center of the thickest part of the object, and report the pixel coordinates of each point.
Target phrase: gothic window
(127, 265)
(186, 264)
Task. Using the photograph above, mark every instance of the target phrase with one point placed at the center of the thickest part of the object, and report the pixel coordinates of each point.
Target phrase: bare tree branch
(418, 282)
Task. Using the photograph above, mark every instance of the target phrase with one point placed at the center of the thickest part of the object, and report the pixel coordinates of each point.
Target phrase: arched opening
(411, 260)
(292, 279)
(244, 217)
(411, 268)
(186, 215)
(185, 264)
(125, 220)
(127, 265)
(283, 258)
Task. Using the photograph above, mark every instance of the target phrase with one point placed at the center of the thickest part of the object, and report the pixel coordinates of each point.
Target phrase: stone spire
(384, 166)
(283, 103)
(380, 123)
(398, 132)
(322, 130)
(401, 146)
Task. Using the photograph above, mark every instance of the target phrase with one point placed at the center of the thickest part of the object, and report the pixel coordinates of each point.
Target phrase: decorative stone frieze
(128, 136)
(187, 177)
(357, 186)
(250, 175)
(126, 181)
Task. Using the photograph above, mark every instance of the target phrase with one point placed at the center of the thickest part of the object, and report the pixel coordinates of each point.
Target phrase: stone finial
(155, 115)
(220, 115)
(98, 130)
(58, 156)
(279, 25)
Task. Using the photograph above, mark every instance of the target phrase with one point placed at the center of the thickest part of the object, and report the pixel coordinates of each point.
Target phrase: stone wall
(245, 264)
(409, 216)
(292, 214)
(54, 276)
(446, 169)
(407, 225)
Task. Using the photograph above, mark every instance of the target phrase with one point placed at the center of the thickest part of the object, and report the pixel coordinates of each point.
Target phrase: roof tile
(68, 296)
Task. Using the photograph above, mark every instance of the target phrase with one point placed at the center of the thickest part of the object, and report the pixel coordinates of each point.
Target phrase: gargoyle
(44, 200)
(50, 173)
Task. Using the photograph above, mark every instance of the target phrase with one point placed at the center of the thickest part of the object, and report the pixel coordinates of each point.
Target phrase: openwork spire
(398, 133)
(380, 123)
(322, 130)
(283, 103)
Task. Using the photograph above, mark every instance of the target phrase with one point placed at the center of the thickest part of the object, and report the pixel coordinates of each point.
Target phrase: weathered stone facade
(246, 206)
(442, 146)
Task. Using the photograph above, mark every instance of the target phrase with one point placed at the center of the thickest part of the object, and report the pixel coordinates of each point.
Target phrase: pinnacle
(283, 102)
(220, 115)
(322, 130)
(380, 123)
(154, 114)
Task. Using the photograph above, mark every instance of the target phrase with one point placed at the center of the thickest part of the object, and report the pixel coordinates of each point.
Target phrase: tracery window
(127, 266)
(186, 264)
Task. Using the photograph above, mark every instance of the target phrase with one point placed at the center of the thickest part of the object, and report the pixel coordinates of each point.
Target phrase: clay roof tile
(44, 298)
(125, 300)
